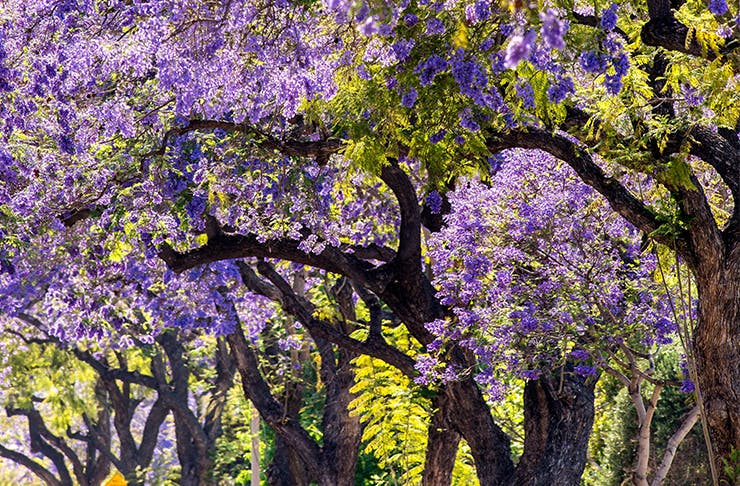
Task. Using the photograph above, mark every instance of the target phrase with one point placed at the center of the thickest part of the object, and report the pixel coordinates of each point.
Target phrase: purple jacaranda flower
(553, 29)
(609, 18)
(409, 98)
(519, 49)
(434, 200)
(718, 7)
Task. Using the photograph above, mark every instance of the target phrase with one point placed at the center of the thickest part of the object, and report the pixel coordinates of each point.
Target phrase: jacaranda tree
(143, 139)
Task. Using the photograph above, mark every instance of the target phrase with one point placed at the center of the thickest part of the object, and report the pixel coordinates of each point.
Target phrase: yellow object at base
(116, 480)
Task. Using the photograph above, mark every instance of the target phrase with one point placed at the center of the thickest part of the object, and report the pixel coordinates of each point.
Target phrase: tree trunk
(286, 468)
(557, 424)
(195, 464)
(192, 442)
(442, 444)
(272, 412)
(254, 459)
(189, 475)
(717, 352)
(342, 431)
(470, 415)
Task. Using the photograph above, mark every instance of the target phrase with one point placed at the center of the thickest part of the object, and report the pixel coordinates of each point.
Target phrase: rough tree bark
(442, 444)
(342, 431)
(713, 255)
(558, 416)
(717, 352)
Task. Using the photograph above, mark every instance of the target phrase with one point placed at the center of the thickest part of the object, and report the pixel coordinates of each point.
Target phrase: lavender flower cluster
(535, 263)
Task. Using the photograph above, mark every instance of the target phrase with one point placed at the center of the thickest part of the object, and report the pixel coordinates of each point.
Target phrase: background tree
(123, 421)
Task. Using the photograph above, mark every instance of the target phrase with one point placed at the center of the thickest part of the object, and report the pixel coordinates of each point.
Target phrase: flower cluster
(536, 264)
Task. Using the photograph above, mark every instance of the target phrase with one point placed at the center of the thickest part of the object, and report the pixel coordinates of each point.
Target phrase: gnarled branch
(620, 199)
(44, 474)
(280, 291)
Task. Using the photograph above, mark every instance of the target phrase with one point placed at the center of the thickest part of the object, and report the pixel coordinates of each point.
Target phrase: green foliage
(395, 415)
(509, 414)
(613, 443)
(47, 373)
(678, 174)
(463, 474)
(233, 447)
(611, 446)
(731, 466)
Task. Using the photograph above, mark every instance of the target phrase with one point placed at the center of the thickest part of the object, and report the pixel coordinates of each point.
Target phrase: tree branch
(374, 308)
(659, 8)
(258, 391)
(670, 452)
(123, 414)
(232, 246)
(120, 374)
(320, 149)
(148, 443)
(44, 474)
(664, 30)
(38, 444)
(77, 467)
(280, 291)
(175, 394)
(703, 240)
(720, 149)
(643, 440)
(409, 247)
(225, 370)
(620, 199)
(594, 21)
(98, 441)
(370, 252)
(667, 32)
(84, 356)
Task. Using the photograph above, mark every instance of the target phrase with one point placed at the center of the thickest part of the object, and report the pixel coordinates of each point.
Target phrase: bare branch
(44, 474)
(643, 440)
(670, 452)
(280, 291)
(618, 375)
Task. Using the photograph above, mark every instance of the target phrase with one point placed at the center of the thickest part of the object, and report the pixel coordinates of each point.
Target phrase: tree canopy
(484, 196)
